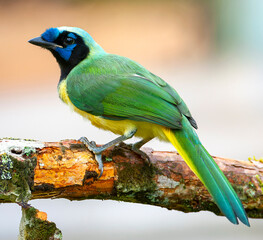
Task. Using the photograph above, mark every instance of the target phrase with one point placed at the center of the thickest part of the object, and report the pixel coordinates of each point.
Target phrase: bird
(119, 95)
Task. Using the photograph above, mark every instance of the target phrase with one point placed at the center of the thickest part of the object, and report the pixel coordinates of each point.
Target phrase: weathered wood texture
(66, 169)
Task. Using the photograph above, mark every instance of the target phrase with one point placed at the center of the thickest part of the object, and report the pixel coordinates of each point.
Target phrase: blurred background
(209, 51)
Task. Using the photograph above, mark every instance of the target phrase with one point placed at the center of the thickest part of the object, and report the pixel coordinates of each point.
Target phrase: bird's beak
(38, 41)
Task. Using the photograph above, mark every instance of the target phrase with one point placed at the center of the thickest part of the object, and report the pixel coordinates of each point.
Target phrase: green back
(118, 88)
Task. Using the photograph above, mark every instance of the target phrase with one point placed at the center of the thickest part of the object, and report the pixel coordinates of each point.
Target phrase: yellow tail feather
(171, 137)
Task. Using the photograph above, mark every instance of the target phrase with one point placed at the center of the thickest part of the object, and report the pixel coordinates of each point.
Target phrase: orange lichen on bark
(41, 215)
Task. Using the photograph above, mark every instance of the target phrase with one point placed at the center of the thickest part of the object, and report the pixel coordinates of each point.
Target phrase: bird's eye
(69, 41)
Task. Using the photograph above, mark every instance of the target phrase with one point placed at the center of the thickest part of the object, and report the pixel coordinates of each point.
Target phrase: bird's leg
(98, 150)
(136, 148)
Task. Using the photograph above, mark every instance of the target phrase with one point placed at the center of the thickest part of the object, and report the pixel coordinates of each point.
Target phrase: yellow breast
(145, 130)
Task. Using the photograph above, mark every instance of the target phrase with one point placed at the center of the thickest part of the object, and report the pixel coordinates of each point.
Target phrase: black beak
(38, 41)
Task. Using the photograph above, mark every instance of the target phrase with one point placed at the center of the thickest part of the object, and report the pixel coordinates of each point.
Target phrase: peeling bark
(66, 169)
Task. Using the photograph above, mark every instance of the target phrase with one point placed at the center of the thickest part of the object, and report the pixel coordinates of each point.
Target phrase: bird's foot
(96, 150)
(141, 153)
(91, 145)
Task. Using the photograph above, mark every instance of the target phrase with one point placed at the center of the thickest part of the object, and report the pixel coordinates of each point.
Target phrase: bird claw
(142, 154)
(96, 150)
(98, 158)
(93, 143)
(90, 145)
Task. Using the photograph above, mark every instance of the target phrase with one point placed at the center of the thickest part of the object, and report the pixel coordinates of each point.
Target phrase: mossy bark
(66, 169)
(35, 226)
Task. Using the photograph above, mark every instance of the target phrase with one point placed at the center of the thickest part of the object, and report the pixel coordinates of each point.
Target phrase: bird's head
(69, 45)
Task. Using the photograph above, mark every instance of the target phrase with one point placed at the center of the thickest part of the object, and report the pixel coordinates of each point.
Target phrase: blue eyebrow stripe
(72, 35)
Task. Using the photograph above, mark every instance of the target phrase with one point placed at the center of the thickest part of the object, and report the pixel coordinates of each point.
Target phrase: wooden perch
(66, 169)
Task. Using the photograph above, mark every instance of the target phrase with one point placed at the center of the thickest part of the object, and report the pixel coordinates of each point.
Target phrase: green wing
(117, 88)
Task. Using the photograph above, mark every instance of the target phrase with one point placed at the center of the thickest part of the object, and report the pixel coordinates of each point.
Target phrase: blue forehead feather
(50, 34)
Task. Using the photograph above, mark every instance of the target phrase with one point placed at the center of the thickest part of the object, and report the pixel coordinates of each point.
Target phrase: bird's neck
(64, 71)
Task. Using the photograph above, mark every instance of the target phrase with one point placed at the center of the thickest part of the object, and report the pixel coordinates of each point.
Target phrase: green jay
(119, 95)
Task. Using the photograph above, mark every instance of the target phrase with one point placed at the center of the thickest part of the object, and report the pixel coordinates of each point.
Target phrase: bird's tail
(203, 165)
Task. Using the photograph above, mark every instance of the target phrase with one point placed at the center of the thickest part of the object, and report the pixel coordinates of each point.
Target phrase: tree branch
(66, 169)
(34, 225)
